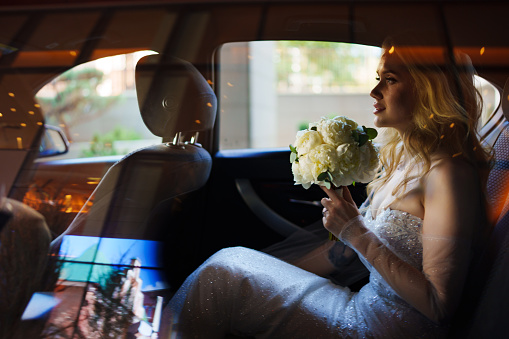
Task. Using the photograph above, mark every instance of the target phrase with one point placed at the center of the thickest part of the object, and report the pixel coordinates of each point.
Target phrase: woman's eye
(377, 78)
(390, 80)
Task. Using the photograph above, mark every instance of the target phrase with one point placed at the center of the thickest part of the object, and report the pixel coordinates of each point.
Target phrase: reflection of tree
(52, 203)
(76, 99)
(103, 144)
(111, 306)
(333, 64)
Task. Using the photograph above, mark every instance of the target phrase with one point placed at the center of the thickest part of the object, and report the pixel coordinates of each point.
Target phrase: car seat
(133, 198)
(490, 294)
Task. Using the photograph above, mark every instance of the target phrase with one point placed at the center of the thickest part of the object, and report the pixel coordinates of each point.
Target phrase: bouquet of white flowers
(334, 152)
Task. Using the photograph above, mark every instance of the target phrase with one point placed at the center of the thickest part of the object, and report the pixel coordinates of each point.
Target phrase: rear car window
(95, 105)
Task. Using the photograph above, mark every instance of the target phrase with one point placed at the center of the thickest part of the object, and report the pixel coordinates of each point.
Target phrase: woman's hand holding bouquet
(333, 153)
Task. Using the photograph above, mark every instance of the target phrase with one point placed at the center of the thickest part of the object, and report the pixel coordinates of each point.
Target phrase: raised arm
(452, 211)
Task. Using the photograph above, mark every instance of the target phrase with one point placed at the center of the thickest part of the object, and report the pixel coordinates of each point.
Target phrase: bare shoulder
(452, 198)
(452, 172)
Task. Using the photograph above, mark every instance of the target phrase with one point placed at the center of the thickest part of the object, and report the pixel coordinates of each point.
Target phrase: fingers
(337, 198)
(326, 203)
(334, 195)
(348, 196)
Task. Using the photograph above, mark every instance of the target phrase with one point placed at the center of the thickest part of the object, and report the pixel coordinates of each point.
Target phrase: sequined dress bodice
(400, 232)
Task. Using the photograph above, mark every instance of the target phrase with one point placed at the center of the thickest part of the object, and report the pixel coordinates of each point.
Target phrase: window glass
(271, 89)
(490, 97)
(95, 105)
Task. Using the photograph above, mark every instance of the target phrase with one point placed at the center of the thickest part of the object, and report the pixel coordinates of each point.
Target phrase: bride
(416, 234)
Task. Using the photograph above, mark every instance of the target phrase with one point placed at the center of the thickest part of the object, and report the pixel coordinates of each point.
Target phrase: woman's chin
(378, 122)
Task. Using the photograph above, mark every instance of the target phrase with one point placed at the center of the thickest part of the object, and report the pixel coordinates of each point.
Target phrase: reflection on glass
(122, 285)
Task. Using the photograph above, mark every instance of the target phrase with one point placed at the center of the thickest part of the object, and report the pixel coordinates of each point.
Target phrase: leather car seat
(134, 198)
(490, 295)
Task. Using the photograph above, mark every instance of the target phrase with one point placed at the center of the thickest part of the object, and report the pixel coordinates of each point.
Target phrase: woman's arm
(452, 211)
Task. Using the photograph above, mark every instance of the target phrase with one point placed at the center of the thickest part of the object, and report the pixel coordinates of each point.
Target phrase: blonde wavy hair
(444, 120)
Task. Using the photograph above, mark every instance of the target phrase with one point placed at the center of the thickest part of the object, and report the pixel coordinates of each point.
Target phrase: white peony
(334, 151)
(301, 172)
(368, 163)
(348, 163)
(336, 131)
(347, 121)
(323, 158)
(306, 140)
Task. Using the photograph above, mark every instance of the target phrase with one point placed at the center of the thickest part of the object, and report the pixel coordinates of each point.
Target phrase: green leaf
(363, 138)
(326, 177)
(323, 176)
(293, 157)
(355, 135)
(371, 132)
(331, 179)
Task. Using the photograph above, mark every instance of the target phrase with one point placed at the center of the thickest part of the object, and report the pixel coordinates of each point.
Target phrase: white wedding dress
(249, 293)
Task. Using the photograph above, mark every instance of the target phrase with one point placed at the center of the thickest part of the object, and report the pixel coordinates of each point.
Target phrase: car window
(271, 89)
(96, 107)
(490, 96)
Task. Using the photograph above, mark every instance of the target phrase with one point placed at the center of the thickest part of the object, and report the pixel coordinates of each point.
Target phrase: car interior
(157, 212)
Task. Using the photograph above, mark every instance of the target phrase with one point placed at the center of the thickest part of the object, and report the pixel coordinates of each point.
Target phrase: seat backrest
(490, 316)
(174, 99)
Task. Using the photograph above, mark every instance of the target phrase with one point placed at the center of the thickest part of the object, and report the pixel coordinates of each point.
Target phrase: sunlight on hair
(391, 50)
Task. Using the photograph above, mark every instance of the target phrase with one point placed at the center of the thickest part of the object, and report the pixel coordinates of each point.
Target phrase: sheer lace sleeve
(433, 290)
(452, 214)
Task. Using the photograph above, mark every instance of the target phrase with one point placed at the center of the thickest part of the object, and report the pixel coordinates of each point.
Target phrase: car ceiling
(45, 40)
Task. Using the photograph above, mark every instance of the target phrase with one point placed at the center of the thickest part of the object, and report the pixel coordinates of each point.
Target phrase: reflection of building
(103, 299)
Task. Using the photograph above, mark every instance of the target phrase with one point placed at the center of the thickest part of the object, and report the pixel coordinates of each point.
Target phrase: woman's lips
(378, 108)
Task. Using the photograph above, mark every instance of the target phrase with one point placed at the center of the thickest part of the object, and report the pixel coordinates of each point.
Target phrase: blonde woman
(416, 233)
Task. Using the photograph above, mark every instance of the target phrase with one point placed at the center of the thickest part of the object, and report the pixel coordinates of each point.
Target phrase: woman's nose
(375, 92)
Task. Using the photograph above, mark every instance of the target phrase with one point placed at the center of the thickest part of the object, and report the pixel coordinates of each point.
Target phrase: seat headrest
(173, 96)
(505, 100)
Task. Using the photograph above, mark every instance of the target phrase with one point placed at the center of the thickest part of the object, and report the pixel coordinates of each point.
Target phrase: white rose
(335, 131)
(306, 140)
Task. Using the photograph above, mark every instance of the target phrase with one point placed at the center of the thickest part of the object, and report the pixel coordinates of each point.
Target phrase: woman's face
(394, 94)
